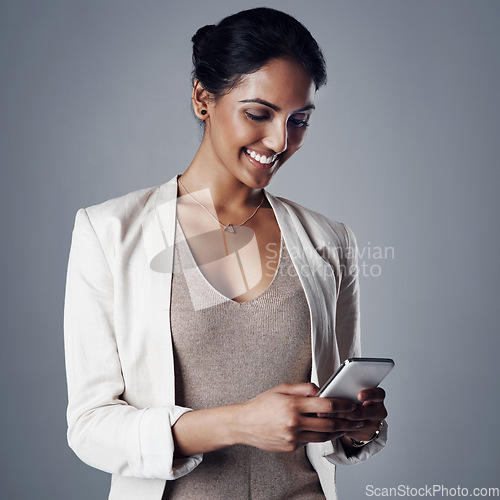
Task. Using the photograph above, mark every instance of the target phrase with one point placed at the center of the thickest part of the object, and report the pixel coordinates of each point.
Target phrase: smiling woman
(194, 348)
(252, 130)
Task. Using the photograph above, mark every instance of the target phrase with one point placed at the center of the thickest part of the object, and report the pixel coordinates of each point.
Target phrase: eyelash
(257, 118)
(296, 122)
(299, 123)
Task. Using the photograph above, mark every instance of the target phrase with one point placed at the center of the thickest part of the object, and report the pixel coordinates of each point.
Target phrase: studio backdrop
(403, 147)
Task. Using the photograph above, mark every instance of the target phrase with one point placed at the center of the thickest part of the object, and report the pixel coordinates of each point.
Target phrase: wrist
(236, 426)
(352, 444)
(223, 425)
(359, 444)
(232, 424)
(202, 431)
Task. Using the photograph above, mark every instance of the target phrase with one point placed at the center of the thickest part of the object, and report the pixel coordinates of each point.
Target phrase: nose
(277, 137)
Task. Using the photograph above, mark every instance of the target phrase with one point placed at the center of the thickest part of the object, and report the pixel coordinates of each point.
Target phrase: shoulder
(321, 229)
(122, 208)
(116, 222)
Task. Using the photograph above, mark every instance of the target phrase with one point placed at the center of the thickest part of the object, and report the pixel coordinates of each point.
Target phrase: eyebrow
(276, 108)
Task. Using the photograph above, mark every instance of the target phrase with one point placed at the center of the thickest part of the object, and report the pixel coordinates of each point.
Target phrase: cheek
(296, 138)
(237, 130)
(242, 136)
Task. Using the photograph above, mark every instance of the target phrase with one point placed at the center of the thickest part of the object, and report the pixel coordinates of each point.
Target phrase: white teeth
(265, 160)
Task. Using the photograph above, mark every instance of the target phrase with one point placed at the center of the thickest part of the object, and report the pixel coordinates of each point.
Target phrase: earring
(203, 111)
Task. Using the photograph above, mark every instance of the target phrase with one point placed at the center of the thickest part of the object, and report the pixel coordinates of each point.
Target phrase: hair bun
(200, 39)
(242, 43)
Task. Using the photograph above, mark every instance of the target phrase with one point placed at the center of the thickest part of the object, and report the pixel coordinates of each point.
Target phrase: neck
(228, 193)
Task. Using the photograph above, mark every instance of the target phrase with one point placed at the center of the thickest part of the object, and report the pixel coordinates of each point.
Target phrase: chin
(261, 181)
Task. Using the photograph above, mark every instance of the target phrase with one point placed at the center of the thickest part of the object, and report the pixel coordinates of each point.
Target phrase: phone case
(354, 375)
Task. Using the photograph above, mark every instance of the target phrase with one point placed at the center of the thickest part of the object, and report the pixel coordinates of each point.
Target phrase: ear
(200, 98)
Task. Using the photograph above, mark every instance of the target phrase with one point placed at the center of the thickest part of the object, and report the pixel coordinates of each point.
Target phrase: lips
(261, 158)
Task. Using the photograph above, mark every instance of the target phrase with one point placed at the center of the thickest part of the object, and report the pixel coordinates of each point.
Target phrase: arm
(103, 430)
(279, 420)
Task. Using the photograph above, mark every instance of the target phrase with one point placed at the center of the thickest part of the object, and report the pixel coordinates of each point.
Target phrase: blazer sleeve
(347, 329)
(103, 429)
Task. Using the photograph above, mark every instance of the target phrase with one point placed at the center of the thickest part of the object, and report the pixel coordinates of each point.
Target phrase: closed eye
(299, 123)
(258, 118)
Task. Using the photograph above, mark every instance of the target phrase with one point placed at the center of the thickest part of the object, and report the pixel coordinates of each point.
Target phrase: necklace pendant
(230, 229)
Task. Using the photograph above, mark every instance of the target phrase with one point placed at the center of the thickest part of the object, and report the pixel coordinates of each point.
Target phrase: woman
(201, 315)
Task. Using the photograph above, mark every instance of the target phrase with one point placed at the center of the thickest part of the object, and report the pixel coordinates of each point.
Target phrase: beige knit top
(228, 352)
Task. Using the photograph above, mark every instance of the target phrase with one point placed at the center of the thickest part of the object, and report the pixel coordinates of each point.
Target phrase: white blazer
(118, 343)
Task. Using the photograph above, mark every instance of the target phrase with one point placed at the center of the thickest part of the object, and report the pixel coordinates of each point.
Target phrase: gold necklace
(227, 227)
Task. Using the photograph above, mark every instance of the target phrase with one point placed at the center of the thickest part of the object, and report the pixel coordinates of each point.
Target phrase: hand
(369, 413)
(281, 419)
(289, 416)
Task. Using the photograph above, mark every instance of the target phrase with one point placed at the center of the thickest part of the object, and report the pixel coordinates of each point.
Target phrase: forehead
(281, 82)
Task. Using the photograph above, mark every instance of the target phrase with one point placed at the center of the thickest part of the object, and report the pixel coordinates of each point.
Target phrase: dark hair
(244, 42)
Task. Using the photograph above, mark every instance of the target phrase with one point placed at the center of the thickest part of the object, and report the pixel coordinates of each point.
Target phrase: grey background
(95, 102)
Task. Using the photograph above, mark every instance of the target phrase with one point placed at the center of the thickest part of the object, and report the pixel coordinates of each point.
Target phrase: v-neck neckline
(212, 288)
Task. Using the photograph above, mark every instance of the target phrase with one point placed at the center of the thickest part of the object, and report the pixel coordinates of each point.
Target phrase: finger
(372, 413)
(375, 412)
(329, 425)
(376, 394)
(342, 410)
(325, 406)
(305, 389)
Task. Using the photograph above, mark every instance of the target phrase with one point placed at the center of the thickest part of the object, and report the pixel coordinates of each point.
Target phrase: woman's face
(255, 128)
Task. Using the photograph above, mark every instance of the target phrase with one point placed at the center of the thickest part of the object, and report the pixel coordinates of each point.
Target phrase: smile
(265, 160)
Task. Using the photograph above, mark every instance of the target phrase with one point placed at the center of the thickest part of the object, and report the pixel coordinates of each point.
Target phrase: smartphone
(354, 375)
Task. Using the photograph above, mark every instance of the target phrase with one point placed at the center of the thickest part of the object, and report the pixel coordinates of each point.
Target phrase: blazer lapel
(313, 272)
